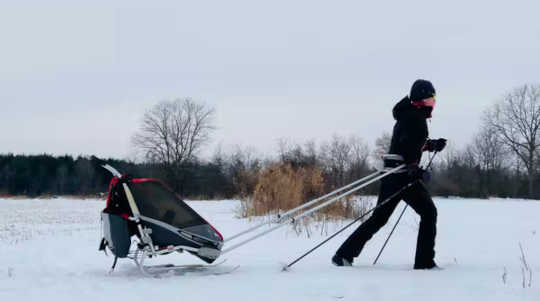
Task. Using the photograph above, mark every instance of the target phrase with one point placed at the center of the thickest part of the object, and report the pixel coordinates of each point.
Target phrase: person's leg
(419, 199)
(355, 243)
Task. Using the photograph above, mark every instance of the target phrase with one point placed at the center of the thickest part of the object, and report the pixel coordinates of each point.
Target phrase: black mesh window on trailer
(156, 201)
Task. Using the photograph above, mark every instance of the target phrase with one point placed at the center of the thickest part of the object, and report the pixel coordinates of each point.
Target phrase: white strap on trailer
(131, 201)
(113, 170)
(129, 195)
(316, 208)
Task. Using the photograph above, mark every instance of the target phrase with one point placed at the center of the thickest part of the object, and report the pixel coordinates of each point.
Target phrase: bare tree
(335, 155)
(242, 169)
(469, 156)
(488, 149)
(516, 120)
(358, 159)
(296, 154)
(382, 146)
(344, 158)
(172, 133)
(449, 157)
(485, 158)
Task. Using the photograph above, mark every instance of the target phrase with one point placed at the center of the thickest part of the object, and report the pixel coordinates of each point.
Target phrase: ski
(215, 271)
(200, 269)
(195, 265)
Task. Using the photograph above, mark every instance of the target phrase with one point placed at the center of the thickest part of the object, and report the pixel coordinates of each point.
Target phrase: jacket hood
(403, 108)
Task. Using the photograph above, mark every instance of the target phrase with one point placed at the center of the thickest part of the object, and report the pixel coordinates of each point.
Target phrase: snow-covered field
(48, 251)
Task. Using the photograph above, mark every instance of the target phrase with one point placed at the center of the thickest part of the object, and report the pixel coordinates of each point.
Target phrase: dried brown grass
(282, 187)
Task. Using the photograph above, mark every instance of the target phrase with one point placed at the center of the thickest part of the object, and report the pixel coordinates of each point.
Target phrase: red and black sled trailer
(144, 218)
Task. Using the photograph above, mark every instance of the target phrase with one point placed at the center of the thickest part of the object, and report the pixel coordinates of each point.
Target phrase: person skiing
(409, 140)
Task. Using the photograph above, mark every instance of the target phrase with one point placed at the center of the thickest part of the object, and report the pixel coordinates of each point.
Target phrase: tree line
(225, 175)
(502, 160)
(235, 173)
(35, 175)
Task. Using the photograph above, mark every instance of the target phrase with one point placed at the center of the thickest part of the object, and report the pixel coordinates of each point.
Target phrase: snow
(48, 251)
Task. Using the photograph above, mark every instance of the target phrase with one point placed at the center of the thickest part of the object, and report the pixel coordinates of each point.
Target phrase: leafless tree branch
(173, 132)
(515, 122)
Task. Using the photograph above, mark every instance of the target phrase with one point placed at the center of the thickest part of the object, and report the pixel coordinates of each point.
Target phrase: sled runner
(144, 218)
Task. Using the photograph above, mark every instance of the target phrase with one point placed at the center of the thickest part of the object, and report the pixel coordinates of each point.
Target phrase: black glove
(416, 173)
(435, 145)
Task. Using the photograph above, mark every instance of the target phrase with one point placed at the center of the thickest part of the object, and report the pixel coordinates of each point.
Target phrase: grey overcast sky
(76, 77)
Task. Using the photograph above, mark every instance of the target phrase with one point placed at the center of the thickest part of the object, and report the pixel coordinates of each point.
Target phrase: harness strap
(393, 160)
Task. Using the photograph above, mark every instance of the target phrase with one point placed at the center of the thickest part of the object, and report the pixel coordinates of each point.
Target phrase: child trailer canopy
(159, 222)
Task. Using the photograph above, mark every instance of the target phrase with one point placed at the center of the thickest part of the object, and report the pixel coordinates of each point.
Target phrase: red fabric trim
(219, 234)
(125, 216)
(113, 183)
(143, 180)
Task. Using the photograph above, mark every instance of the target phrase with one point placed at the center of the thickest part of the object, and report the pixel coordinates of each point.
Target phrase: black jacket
(410, 131)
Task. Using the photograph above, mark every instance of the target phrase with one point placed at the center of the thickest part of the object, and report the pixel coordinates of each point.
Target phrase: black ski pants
(418, 198)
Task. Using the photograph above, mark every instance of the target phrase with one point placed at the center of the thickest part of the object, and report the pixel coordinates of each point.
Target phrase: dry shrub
(348, 208)
(282, 187)
(326, 219)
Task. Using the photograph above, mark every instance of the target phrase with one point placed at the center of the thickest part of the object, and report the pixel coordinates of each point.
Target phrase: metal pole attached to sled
(282, 216)
(316, 208)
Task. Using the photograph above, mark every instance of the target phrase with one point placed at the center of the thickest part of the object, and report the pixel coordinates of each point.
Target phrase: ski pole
(350, 224)
(400, 216)
(389, 235)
